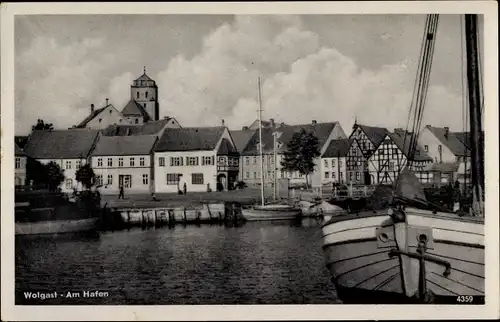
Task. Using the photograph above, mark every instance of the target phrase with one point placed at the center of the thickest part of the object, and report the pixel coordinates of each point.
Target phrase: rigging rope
(421, 84)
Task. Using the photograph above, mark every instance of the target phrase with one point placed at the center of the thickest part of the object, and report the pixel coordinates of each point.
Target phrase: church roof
(134, 109)
(144, 77)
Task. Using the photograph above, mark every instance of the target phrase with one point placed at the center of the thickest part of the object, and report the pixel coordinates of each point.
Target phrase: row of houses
(160, 156)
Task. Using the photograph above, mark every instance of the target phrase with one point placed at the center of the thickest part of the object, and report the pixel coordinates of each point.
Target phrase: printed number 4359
(465, 299)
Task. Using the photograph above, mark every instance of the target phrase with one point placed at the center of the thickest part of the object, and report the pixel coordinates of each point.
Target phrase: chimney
(428, 126)
(314, 122)
(272, 123)
(107, 100)
(245, 128)
(222, 122)
(446, 132)
(91, 108)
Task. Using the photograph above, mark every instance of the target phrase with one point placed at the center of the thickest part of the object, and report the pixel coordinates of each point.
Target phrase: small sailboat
(412, 251)
(270, 211)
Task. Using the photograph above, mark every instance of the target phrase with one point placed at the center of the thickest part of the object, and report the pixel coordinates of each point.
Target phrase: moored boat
(271, 212)
(410, 250)
(42, 212)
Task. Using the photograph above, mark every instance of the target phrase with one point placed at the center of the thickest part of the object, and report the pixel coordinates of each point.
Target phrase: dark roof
(190, 139)
(252, 145)
(21, 140)
(226, 148)
(124, 145)
(320, 130)
(241, 138)
(134, 109)
(375, 134)
(61, 144)
(337, 148)
(91, 116)
(148, 128)
(457, 142)
(19, 152)
(144, 77)
(398, 137)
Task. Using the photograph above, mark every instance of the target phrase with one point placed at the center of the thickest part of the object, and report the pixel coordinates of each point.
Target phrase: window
(247, 160)
(326, 163)
(110, 111)
(207, 160)
(300, 175)
(271, 159)
(110, 179)
(142, 161)
(395, 151)
(100, 120)
(161, 161)
(110, 162)
(357, 176)
(144, 105)
(333, 163)
(132, 162)
(127, 181)
(69, 183)
(381, 152)
(146, 94)
(191, 160)
(350, 176)
(68, 165)
(247, 175)
(236, 162)
(173, 178)
(197, 178)
(175, 161)
(18, 163)
(333, 175)
(327, 175)
(255, 175)
(426, 148)
(120, 162)
(137, 95)
(99, 162)
(440, 148)
(145, 179)
(136, 121)
(282, 174)
(340, 175)
(391, 166)
(98, 180)
(78, 164)
(254, 160)
(222, 161)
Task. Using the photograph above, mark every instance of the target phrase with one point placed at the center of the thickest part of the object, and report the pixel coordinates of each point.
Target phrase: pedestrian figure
(122, 194)
(185, 188)
(153, 197)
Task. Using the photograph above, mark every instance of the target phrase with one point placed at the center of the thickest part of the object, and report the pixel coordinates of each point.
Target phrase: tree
(36, 172)
(86, 176)
(41, 125)
(55, 175)
(302, 150)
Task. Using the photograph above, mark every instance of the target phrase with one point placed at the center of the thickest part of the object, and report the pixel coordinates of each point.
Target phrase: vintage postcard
(249, 161)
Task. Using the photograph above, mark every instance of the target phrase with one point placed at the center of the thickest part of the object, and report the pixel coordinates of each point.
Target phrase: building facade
(201, 159)
(70, 149)
(101, 118)
(124, 161)
(333, 162)
(20, 166)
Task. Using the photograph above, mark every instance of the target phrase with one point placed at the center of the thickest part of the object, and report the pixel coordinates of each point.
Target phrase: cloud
(302, 81)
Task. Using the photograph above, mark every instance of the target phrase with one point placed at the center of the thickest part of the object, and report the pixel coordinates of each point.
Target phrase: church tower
(145, 93)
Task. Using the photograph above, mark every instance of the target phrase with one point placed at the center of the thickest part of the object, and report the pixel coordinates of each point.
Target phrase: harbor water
(252, 263)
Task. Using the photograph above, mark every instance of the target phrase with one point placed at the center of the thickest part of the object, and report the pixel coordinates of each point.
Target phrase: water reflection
(256, 262)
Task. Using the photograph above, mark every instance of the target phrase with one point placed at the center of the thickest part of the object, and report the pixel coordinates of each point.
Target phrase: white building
(20, 166)
(203, 159)
(333, 162)
(124, 161)
(69, 149)
(101, 118)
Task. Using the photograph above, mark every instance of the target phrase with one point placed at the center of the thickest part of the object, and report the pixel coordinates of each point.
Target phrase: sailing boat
(269, 211)
(413, 251)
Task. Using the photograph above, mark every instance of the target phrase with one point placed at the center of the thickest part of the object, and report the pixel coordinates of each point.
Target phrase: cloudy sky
(327, 67)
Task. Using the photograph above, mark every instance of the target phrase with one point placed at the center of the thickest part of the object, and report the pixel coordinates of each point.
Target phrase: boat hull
(57, 227)
(277, 212)
(367, 268)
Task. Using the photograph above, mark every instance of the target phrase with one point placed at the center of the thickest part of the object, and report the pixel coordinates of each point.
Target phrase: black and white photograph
(305, 158)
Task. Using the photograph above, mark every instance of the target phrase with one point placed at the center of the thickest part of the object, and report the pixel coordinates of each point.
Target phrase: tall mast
(473, 81)
(260, 147)
(275, 165)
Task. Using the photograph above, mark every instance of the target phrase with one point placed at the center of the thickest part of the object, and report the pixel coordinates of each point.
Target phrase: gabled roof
(226, 148)
(252, 147)
(190, 139)
(124, 145)
(337, 148)
(375, 134)
(241, 138)
(61, 144)
(21, 140)
(92, 115)
(402, 140)
(144, 77)
(134, 109)
(457, 142)
(321, 130)
(148, 128)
